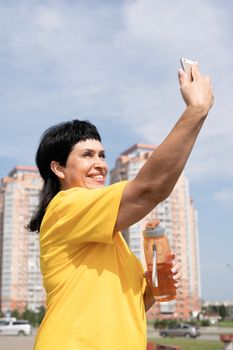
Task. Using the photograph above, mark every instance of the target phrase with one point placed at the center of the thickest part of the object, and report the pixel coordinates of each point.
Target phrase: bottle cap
(153, 230)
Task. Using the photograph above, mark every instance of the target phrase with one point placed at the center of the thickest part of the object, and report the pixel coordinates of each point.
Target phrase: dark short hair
(56, 144)
(58, 141)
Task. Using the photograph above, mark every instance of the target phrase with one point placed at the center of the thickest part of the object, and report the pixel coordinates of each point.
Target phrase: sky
(115, 63)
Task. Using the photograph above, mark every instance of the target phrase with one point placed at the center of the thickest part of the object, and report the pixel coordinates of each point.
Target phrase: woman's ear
(57, 169)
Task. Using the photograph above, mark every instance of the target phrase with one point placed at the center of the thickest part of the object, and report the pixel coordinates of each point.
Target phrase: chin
(97, 186)
(94, 185)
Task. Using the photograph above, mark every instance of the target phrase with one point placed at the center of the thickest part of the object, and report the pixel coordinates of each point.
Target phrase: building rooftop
(23, 169)
(142, 146)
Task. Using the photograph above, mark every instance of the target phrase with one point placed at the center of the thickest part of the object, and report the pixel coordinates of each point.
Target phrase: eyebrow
(92, 150)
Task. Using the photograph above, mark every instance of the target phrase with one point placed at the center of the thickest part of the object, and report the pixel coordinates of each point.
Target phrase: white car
(15, 327)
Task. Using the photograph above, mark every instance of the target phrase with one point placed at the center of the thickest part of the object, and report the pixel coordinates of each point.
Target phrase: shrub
(205, 323)
(165, 323)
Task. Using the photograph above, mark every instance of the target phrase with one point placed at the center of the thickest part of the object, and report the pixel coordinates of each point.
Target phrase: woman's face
(85, 166)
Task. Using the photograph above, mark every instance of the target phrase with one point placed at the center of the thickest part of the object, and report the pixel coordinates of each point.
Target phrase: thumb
(195, 71)
(146, 276)
(183, 79)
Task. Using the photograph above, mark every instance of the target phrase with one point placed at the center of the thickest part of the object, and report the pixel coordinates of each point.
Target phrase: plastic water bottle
(159, 261)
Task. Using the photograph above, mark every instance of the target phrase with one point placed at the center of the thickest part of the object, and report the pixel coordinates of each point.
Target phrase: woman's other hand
(149, 299)
(176, 271)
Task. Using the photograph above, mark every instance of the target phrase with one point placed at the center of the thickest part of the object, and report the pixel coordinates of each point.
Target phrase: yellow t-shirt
(94, 283)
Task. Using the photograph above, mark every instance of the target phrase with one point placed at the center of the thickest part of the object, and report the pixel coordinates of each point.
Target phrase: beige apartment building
(178, 215)
(20, 278)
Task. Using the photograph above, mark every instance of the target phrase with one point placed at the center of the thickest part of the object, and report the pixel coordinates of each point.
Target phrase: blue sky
(115, 63)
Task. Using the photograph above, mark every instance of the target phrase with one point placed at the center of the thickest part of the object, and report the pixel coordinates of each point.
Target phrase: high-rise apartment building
(20, 277)
(178, 215)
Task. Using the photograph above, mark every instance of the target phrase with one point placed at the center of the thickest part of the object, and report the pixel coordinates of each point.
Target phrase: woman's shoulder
(72, 195)
(61, 196)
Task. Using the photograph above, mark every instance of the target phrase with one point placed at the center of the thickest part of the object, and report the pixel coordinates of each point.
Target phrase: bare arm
(159, 174)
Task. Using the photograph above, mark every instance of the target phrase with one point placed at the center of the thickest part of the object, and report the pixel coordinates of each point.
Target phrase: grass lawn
(225, 324)
(190, 344)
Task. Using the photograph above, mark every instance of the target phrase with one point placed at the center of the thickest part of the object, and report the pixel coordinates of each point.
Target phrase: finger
(177, 285)
(177, 282)
(176, 268)
(146, 275)
(183, 78)
(172, 255)
(177, 276)
(174, 264)
(196, 74)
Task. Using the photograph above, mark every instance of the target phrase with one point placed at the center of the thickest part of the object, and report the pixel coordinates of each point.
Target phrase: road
(208, 333)
(26, 342)
(16, 342)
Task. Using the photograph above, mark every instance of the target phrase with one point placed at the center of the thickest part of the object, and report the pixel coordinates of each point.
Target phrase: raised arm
(159, 174)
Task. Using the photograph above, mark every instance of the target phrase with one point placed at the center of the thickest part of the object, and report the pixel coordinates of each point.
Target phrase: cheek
(106, 167)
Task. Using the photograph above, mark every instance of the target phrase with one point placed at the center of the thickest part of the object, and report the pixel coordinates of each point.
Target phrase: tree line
(34, 317)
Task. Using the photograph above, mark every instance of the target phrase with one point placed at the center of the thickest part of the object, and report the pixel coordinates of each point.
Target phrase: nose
(100, 163)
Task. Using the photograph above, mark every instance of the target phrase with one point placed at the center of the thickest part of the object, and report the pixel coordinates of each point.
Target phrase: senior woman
(96, 291)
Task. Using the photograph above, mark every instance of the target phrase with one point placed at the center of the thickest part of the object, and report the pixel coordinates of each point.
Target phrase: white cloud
(116, 60)
(225, 198)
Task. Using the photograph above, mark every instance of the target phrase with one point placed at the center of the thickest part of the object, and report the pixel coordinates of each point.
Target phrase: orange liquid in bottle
(164, 290)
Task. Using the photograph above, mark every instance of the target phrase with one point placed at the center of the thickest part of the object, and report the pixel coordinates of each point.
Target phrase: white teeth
(97, 177)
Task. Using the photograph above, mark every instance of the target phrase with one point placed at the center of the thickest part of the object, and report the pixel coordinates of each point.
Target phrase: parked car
(12, 326)
(180, 330)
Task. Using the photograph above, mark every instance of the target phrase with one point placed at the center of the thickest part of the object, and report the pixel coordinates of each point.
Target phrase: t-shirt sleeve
(89, 215)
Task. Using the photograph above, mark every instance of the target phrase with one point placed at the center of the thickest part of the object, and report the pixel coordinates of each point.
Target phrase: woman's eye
(87, 154)
(102, 155)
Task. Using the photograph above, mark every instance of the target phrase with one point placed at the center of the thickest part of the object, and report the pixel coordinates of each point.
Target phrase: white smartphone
(186, 66)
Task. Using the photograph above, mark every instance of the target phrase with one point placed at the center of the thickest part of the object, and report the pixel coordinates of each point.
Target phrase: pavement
(208, 333)
(16, 342)
(26, 342)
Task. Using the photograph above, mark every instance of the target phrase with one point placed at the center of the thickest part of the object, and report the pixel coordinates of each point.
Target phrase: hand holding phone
(186, 66)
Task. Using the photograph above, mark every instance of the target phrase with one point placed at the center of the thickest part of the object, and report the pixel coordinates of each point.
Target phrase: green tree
(205, 323)
(31, 316)
(40, 314)
(15, 313)
(165, 323)
(222, 311)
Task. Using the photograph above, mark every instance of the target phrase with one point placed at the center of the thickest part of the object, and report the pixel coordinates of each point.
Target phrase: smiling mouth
(97, 177)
